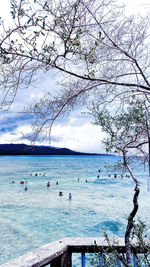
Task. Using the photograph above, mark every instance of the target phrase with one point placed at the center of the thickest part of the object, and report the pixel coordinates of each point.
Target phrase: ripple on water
(113, 227)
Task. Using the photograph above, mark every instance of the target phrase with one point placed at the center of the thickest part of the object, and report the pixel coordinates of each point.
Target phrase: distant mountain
(22, 149)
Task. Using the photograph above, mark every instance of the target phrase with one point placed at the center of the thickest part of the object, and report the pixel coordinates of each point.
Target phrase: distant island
(22, 149)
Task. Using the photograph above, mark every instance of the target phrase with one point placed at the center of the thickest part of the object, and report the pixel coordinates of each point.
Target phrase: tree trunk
(130, 226)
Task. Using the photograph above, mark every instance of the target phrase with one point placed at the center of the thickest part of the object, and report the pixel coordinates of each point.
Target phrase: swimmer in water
(48, 184)
(26, 188)
(70, 196)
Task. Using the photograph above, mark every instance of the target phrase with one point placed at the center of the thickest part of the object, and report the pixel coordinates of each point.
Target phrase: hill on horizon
(23, 149)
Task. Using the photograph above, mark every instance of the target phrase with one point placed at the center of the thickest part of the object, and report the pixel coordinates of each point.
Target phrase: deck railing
(59, 253)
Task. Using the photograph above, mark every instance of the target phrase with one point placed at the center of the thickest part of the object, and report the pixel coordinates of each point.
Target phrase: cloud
(10, 119)
(45, 83)
(17, 136)
(12, 124)
(137, 6)
(8, 129)
(83, 137)
(76, 132)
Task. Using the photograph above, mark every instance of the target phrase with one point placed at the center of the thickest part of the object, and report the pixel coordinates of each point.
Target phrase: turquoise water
(32, 218)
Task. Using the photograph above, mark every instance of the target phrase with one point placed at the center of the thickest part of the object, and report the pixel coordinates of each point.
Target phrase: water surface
(32, 218)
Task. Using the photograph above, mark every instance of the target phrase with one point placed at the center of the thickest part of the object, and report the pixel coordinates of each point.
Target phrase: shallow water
(31, 218)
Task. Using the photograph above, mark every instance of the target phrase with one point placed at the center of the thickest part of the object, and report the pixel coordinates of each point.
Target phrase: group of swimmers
(48, 185)
(61, 194)
(36, 174)
(22, 182)
(114, 175)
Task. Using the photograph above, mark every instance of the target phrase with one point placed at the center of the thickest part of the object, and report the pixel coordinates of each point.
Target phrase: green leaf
(80, 31)
(96, 43)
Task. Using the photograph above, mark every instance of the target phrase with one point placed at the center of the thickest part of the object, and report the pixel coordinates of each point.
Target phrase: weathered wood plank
(40, 256)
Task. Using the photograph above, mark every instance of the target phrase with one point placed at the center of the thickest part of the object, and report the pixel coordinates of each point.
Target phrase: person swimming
(26, 188)
(48, 184)
(70, 196)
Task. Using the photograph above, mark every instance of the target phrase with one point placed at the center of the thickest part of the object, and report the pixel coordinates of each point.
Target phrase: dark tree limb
(130, 226)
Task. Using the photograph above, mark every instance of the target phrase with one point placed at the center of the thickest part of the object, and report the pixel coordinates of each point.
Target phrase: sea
(32, 214)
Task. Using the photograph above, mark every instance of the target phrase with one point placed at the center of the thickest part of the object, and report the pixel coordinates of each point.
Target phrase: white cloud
(137, 6)
(16, 135)
(85, 137)
(5, 12)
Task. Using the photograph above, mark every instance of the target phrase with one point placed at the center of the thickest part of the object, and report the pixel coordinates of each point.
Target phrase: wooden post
(56, 262)
(64, 260)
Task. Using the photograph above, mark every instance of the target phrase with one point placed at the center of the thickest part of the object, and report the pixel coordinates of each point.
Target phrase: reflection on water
(39, 215)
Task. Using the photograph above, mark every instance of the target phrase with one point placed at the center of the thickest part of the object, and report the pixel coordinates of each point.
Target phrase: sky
(75, 132)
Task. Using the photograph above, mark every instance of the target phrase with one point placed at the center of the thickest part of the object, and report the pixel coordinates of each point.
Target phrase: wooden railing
(59, 253)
